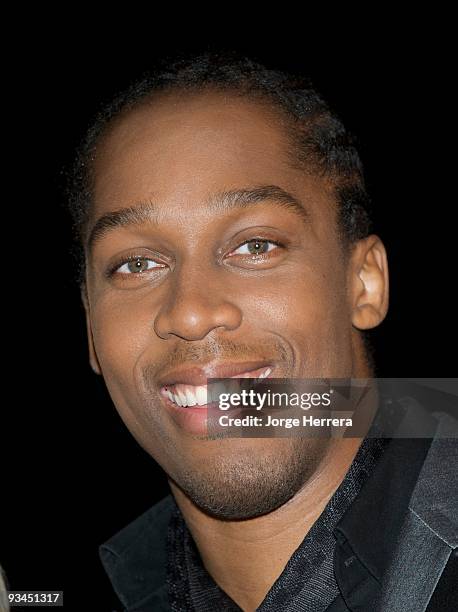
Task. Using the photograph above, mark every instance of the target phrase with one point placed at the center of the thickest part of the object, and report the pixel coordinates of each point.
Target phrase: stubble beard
(250, 484)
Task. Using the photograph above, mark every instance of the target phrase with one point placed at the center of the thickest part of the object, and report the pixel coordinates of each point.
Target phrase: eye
(256, 246)
(136, 265)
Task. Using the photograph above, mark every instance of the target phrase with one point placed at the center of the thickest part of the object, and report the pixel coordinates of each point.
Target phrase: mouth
(186, 395)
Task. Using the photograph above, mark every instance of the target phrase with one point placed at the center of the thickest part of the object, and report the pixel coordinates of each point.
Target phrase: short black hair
(319, 141)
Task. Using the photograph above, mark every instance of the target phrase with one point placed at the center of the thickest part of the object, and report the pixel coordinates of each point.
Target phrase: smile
(185, 395)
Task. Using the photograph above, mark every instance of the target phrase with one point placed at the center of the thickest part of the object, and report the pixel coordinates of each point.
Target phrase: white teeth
(201, 395)
(190, 395)
(182, 396)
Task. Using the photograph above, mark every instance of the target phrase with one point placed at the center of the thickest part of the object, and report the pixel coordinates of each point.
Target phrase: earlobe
(369, 283)
(94, 362)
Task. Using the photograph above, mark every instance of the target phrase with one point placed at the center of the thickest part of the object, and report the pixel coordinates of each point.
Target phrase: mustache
(222, 350)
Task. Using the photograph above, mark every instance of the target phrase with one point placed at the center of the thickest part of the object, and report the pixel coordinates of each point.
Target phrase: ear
(94, 362)
(369, 283)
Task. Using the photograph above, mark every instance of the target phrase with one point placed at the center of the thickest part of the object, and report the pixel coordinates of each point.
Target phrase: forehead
(182, 148)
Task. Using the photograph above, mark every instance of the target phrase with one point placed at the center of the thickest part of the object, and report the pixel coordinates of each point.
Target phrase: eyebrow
(225, 201)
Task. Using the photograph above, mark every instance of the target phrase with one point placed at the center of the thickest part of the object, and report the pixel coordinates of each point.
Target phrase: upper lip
(197, 375)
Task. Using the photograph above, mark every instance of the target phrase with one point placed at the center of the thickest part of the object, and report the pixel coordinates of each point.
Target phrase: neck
(231, 550)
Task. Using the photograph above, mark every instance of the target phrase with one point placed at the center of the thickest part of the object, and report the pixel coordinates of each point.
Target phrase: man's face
(206, 293)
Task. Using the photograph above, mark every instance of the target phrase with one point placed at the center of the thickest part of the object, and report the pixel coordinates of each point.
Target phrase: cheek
(122, 332)
(123, 336)
(310, 311)
(118, 333)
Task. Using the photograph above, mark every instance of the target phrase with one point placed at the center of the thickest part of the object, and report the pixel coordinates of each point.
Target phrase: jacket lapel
(368, 532)
(429, 534)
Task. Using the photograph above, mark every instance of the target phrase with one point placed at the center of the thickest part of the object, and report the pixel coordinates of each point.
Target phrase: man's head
(222, 213)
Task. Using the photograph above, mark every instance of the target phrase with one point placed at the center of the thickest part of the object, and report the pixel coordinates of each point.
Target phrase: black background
(72, 474)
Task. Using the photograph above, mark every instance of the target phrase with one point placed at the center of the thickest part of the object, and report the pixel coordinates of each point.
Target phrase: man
(223, 217)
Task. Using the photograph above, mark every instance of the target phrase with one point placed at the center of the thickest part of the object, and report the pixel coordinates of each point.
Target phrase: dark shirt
(307, 583)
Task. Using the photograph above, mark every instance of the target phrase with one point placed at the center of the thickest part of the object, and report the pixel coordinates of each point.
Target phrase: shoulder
(153, 521)
(135, 557)
(433, 500)
(426, 556)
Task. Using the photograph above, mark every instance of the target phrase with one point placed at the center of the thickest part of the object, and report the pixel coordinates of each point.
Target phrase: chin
(248, 484)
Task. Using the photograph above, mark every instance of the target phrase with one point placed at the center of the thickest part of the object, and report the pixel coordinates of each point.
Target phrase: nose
(197, 303)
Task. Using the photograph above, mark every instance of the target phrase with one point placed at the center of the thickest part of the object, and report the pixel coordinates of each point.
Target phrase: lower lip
(193, 419)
